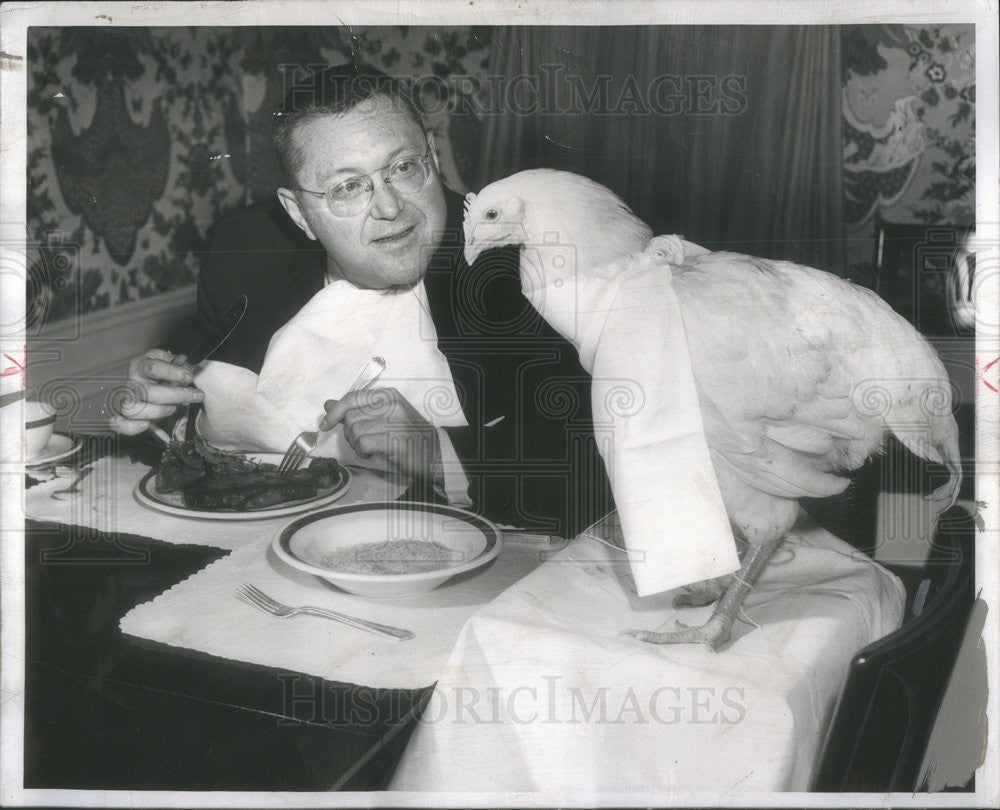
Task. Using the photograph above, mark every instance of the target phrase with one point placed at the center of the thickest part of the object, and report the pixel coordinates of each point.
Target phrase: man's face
(390, 242)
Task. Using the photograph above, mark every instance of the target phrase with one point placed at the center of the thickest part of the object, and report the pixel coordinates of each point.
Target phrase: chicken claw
(713, 634)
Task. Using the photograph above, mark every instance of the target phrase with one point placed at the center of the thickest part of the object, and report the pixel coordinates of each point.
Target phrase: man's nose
(385, 201)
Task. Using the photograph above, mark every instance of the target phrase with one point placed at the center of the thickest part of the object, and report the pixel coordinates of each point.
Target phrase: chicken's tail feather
(941, 447)
(921, 411)
(948, 451)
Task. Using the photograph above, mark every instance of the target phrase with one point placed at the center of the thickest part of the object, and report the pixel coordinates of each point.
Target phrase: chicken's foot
(715, 632)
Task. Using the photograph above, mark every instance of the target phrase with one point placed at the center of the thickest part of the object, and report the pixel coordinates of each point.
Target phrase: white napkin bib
(626, 323)
(316, 356)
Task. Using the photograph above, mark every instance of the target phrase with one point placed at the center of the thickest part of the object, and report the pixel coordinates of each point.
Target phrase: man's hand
(379, 421)
(158, 383)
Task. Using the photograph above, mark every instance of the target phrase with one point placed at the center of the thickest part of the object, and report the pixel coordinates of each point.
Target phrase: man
(362, 187)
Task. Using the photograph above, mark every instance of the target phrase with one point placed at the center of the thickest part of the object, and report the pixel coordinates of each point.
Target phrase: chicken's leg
(703, 593)
(715, 631)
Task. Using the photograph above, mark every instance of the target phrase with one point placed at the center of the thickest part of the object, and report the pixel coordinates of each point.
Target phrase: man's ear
(290, 203)
(432, 149)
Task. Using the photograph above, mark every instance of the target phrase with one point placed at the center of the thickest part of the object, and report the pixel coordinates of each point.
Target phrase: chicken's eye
(491, 213)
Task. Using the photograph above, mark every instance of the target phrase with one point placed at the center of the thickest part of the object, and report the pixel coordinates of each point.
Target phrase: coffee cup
(39, 422)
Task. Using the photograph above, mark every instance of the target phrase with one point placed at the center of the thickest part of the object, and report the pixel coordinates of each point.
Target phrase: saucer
(59, 446)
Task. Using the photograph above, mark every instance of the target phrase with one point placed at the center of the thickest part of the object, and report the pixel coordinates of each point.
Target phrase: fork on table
(303, 444)
(256, 597)
(74, 487)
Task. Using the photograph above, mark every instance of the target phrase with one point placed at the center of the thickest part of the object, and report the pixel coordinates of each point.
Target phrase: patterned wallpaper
(909, 130)
(140, 138)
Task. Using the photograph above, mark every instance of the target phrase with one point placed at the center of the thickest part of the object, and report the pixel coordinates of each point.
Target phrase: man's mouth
(392, 238)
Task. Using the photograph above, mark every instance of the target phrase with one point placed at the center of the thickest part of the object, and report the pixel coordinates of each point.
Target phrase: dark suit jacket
(538, 466)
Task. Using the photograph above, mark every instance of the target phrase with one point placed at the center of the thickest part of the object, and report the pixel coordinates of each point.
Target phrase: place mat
(570, 711)
(201, 613)
(106, 503)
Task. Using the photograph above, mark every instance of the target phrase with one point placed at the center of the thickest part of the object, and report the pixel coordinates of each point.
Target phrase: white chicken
(800, 375)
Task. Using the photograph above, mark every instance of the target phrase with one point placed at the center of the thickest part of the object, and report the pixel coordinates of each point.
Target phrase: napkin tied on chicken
(799, 375)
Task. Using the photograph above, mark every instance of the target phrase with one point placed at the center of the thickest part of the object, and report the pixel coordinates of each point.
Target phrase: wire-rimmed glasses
(407, 175)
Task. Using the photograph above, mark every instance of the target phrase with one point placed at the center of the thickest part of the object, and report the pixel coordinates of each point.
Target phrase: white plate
(305, 542)
(59, 446)
(172, 503)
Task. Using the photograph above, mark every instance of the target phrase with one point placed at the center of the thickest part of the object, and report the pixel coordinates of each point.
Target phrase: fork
(305, 442)
(256, 597)
(74, 488)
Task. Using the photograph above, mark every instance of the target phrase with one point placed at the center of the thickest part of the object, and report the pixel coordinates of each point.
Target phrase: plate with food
(195, 480)
(390, 548)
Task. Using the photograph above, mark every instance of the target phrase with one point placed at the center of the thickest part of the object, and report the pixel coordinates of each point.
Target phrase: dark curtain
(729, 135)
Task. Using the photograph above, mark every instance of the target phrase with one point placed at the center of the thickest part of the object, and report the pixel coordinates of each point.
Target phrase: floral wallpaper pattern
(140, 138)
(909, 130)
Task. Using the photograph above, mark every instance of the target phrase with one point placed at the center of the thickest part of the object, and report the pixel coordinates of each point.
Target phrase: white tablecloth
(542, 696)
(537, 692)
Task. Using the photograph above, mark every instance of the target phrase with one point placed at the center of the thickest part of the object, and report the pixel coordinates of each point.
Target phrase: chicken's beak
(472, 251)
(489, 235)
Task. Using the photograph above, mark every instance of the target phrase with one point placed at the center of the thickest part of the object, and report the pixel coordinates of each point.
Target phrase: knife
(218, 335)
(208, 346)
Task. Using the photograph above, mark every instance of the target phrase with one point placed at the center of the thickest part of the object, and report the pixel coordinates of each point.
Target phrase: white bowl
(39, 422)
(308, 542)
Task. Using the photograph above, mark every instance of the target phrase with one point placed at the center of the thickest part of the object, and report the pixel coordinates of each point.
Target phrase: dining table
(143, 672)
(105, 710)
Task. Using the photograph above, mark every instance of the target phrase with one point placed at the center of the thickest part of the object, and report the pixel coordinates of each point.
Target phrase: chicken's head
(493, 218)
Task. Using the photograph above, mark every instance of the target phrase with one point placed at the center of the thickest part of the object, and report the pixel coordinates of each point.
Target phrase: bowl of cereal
(390, 548)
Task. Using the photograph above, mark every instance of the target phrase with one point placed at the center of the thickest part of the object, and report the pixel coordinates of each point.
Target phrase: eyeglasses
(407, 175)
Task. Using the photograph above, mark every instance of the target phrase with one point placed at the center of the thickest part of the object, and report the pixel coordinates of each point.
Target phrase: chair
(894, 688)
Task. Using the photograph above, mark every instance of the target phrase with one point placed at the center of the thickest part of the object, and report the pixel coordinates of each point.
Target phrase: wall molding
(87, 357)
